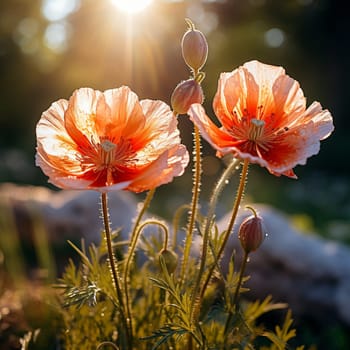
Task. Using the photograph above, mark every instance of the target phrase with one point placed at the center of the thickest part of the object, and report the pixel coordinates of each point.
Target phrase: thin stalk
(113, 267)
(236, 205)
(235, 209)
(194, 204)
(198, 341)
(190, 342)
(166, 235)
(238, 287)
(153, 222)
(107, 343)
(132, 247)
(176, 223)
(236, 295)
(221, 183)
(206, 232)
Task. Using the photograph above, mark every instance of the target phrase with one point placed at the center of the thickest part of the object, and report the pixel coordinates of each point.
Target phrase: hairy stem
(241, 273)
(236, 294)
(113, 267)
(235, 209)
(194, 205)
(132, 247)
(207, 228)
(217, 191)
(236, 205)
(176, 222)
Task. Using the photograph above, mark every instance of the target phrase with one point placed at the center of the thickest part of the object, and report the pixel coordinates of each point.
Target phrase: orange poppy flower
(108, 141)
(264, 119)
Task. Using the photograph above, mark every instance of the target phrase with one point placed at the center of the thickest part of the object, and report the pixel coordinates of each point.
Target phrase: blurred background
(48, 48)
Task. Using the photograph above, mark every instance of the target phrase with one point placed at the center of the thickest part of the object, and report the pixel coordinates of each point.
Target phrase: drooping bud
(170, 259)
(194, 47)
(251, 232)
(185, 94)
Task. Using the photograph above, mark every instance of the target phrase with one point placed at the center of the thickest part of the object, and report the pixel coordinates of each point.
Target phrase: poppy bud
(251, 233)
(194, 48)
(185, 94)
(170, 259)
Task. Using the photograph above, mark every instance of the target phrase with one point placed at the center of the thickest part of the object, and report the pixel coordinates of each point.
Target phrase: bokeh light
(25, 35)
(274, 37)
(56, 10)
(56, 36)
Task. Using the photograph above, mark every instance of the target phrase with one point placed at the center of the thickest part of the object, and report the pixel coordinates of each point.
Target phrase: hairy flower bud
(251, 233)
(185, 94)
(194, 48)
(170, 259)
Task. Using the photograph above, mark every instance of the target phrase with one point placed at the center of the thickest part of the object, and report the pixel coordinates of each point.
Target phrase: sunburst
(132, 6)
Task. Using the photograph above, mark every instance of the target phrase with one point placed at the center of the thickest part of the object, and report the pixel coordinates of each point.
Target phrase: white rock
(68, 214)
(308, 272)
(311, 274)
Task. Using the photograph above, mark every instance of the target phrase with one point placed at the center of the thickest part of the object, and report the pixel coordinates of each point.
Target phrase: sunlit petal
(126, 112)
(218, 138)
(80, 116)
(169, 164)
(264, 119)
(109, 141)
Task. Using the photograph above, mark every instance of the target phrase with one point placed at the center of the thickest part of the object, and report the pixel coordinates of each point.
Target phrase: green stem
(190, 342)
(153, 222)
(190, 24)
(238, 287)
(107, 343)
(236, 205)
(217, 191)
(132, 247)
(194, 205)
(166, 235)
(176, 223)
(113, 267)
(207, 229)
(236, 295)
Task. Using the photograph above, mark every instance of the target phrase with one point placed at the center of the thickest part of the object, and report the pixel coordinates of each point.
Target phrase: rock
(65, 215)
(308, 272)
(311, 274)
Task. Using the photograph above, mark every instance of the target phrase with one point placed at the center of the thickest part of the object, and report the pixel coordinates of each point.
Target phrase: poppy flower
(108, 141)
(264, 119)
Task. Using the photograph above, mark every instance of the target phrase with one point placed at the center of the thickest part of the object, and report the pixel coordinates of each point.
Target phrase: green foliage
(162, 308)
(88, 303)
(180, 317)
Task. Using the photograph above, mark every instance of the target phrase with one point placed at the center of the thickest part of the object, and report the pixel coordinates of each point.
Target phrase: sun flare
(131, 6)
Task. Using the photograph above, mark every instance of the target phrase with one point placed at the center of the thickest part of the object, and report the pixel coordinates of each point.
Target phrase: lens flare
(131, 6)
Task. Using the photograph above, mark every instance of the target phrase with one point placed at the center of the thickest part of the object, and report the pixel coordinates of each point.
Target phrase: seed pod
(170, 259)
(194, 48)
(251, 233)
(185, 94)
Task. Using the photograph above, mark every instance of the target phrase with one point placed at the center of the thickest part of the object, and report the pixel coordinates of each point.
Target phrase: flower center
(107, 152)
(256, 129)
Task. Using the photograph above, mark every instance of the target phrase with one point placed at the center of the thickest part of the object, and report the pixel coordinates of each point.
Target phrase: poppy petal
(264, 119)
(109, 141)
